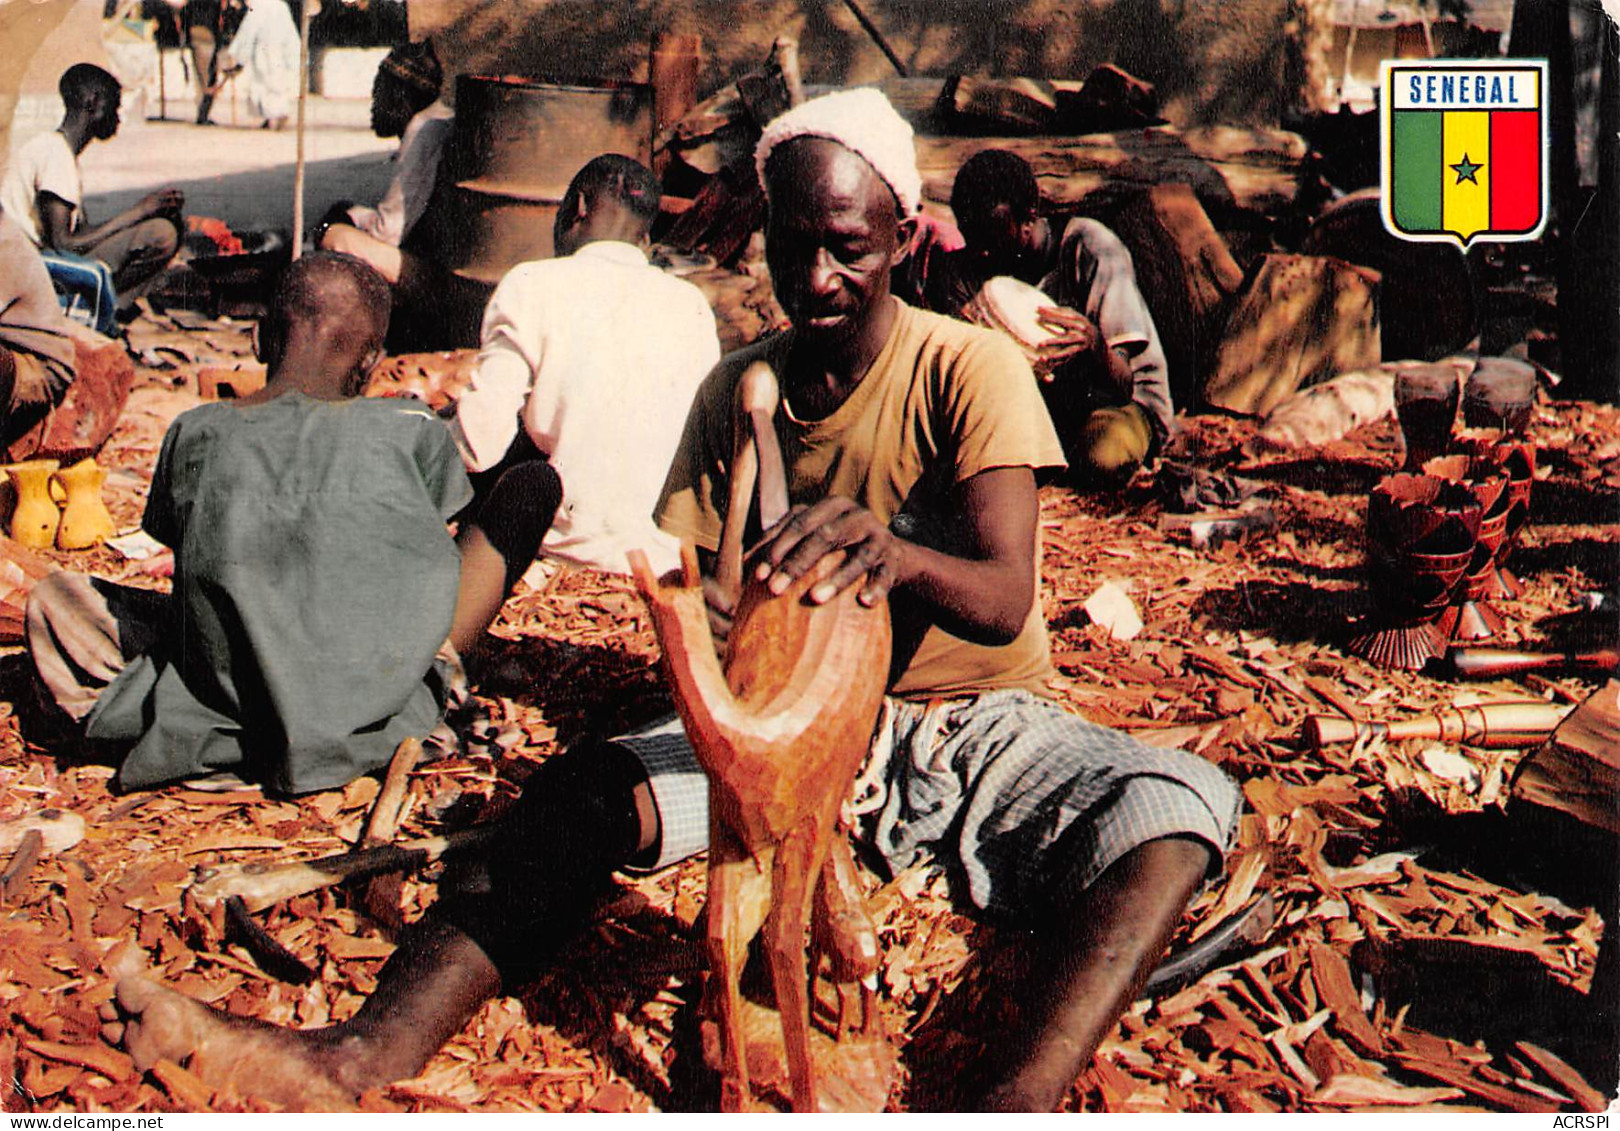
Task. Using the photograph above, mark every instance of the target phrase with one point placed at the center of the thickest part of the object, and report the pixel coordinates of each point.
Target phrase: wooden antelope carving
(781, 729)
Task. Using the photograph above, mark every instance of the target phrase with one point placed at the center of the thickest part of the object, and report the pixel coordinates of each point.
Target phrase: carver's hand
(807, 534)
(164, 202)
(1074, 334)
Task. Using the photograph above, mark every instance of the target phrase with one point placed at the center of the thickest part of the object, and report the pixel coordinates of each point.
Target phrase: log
(1578, 770)
(1225, 165)
(1491, 725)
(80, 425)
(728, 210)
(20, 568)
(1301, 320)
(1330, 410)
(1417, 322)
(1184, 269)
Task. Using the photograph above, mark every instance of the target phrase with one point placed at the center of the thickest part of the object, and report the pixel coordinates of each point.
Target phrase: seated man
(36, 344)
(1091, 839)
(1109, 390)
(303, 519)
(588, 367)
(927, 260)
(404, 104)
(43, 193)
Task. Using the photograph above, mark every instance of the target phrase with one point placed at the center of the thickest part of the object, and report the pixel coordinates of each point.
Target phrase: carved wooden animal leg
(841, 930)
(738, 901)
(793, 881)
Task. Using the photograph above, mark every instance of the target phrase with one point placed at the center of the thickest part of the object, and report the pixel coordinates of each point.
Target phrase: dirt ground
(1432, 948)
(235, 171)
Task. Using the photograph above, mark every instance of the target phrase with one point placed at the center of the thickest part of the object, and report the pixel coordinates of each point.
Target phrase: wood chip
(1360, 1091)
(183, 1087)
(1586, 1097)
(1238, 644)
(15, 877)
(97, 1057)
(1331, 974)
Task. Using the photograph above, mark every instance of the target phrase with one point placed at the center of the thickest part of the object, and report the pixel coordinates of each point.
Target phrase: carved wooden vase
(35, 518)
(86, 521)
(1517, 459)
(1472, 619)
(1421, 535)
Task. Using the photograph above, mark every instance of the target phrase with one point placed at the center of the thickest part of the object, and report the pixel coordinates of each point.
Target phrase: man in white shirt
(43, 193)
(588, 367)
(404, 104)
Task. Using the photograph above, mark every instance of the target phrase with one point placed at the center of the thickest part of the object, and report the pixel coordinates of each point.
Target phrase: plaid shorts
(987, 787)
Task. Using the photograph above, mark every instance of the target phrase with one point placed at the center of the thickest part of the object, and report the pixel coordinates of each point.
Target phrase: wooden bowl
(1404, 510)
(1012, 306)
(1501, 394)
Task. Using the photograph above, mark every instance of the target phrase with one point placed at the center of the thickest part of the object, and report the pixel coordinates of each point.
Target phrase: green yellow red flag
(1464, 149)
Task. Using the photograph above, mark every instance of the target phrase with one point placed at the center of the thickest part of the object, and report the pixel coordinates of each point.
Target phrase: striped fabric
(1014, 796)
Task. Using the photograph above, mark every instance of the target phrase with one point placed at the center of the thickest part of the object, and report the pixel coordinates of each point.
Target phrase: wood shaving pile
(1239, 646)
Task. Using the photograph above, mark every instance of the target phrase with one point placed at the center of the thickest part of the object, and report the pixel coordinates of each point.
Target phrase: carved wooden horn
(682, 618)
(756, 462)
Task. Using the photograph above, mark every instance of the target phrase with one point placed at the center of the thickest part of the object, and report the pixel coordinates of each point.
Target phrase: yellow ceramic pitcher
(85, 518)
(35, 518)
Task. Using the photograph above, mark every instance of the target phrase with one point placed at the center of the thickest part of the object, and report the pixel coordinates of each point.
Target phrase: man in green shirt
(303, 519)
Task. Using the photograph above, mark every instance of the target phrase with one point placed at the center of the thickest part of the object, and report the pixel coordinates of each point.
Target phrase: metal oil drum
(516, 145)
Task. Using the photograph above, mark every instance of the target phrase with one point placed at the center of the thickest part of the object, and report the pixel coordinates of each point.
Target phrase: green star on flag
(1466, 170)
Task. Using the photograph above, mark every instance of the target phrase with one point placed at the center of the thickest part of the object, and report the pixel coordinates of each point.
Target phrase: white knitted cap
(861, 120)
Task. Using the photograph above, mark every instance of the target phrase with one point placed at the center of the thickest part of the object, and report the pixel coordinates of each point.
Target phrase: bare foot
(287, 1067)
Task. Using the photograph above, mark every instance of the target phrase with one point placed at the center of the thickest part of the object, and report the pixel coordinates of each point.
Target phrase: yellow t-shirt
(942, 402)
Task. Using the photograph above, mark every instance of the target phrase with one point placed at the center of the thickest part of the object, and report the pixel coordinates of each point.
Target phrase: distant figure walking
(202, 30)
(266, 50)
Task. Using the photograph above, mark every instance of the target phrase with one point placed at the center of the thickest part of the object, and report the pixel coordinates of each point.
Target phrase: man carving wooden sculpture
(911, 444)
(781, 733)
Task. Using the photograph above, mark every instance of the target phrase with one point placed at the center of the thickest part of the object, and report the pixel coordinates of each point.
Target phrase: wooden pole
(1349, 50)
(163, 85)
(1428, 30)
(871, 29)
(303, 101)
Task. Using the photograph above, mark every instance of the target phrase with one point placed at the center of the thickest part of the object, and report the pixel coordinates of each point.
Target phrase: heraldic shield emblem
(1464, 146)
